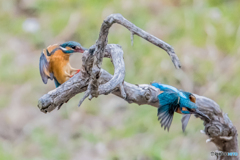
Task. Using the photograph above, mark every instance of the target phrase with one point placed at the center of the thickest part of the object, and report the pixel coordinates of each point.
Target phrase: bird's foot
(78, 71)
(75, 73)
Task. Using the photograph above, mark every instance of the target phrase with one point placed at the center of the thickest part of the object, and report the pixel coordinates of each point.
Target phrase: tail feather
(57, 84)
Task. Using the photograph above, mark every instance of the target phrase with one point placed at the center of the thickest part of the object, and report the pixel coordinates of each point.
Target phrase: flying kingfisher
(173, 100)
(54, 62)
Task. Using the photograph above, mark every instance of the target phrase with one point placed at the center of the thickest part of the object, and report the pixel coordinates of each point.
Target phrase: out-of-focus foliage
(205, 35)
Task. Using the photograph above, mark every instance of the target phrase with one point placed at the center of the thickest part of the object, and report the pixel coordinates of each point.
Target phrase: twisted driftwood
(94, 81)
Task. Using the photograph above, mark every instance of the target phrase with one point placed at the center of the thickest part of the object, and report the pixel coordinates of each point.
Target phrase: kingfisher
(54, 62)
(173, 100)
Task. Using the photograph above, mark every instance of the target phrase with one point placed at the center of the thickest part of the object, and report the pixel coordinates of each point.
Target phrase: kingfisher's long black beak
(197, 112)
(80, 49)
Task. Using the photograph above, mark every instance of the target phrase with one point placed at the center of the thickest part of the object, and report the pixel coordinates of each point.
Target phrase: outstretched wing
(44, 68)
(168, 103)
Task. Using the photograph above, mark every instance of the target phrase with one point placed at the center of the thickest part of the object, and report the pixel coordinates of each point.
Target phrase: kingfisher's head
(71, 47)
(189, 96)
(188, 106)
(187, 102)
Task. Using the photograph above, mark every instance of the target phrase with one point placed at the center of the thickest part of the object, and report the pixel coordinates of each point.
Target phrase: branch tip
(209, 140)
(86, 94)
(132, 38)
(202, 131)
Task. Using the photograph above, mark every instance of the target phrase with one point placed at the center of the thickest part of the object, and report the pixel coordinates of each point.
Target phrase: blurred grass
(205, 36)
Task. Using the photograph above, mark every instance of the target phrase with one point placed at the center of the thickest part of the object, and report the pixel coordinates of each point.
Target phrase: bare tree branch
(94, 80)
(140, 94)
(220, 129)
(114, 52)
(102, 42)
(118, 18)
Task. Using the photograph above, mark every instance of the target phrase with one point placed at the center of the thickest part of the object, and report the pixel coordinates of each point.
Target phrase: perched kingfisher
(173, 100)
(54, 62)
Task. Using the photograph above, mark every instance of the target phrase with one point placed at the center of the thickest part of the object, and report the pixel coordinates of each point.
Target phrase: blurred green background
(205, 36)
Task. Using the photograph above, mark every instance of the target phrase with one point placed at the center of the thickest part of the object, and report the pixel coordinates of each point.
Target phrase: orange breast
(58, 65)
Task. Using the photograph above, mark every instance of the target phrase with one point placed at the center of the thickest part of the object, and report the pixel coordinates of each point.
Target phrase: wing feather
(168, 103)
(44, 68)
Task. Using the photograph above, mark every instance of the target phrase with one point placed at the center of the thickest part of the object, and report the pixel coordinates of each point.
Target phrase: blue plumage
(173, 100)
(70, 44)
(74, 45)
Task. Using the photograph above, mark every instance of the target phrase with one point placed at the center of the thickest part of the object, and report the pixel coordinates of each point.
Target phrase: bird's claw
(75, 73)
(78, 71)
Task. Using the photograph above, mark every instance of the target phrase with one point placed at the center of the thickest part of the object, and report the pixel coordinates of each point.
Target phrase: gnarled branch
(94, 80)
(102, 43)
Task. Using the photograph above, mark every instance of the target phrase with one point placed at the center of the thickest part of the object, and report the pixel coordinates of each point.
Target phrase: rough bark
(94, 80)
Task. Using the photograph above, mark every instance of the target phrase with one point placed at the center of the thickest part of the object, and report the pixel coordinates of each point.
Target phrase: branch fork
(94, 81)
